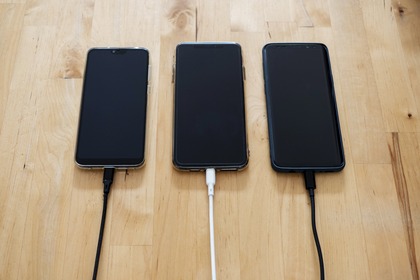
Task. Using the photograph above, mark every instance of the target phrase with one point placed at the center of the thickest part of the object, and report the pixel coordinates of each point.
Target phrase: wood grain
(404, 202)
(368, 215)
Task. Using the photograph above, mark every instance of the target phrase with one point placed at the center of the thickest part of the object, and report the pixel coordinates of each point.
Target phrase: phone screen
(209, 124)
(302, 115)
(113, 108)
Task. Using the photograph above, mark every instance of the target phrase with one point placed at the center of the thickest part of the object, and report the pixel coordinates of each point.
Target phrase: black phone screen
(113, 108)
(209, 125)
(302, 115)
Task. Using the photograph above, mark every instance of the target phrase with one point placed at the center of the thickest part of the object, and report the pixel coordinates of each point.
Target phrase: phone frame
(333, 102)
(116, 166)
(180, 167)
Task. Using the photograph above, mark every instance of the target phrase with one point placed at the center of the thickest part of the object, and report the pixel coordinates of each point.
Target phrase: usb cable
(311, 186)
(211, 182)
(107, 180)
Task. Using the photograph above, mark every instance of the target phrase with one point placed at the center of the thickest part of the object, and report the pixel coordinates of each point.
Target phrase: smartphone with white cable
(209, 109)
(112, 122)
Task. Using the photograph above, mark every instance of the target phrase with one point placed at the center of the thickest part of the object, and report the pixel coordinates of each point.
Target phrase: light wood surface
(157, 227)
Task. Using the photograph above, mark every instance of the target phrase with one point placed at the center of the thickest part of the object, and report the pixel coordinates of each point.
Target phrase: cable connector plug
(310, 183)
(108, 179)
(210, 180)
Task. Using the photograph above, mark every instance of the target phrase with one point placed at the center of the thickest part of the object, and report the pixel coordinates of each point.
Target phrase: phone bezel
(222, 167)
(282, 168)
(117, 165)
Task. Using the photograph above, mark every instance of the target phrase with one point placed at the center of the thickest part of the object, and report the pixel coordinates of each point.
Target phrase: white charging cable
(211, 182)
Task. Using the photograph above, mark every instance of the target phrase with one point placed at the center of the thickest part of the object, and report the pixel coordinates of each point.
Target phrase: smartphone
(112, 119)
(209, 113)
(303, 124)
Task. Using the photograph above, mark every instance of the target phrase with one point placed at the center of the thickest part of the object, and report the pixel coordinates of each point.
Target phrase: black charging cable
(311, 186)
(107, 180)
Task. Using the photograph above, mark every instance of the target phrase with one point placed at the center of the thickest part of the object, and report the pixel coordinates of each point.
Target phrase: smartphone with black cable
(112, 123)
(209, 108)
(304, 129)
(303, 124)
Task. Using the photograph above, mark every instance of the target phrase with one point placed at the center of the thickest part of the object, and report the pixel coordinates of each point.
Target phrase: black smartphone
(112, 119)
(209, 113)
(303, 124)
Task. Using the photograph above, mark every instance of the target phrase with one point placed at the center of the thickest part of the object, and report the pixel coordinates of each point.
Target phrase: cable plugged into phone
(107, 180)
(211, 182)
(311, 186)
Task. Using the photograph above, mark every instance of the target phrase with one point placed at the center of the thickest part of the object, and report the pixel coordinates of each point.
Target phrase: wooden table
(157, 228)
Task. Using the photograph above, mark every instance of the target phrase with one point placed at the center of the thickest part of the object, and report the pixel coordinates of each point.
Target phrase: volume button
(243, 73)
(149, 71)
(173, 73)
